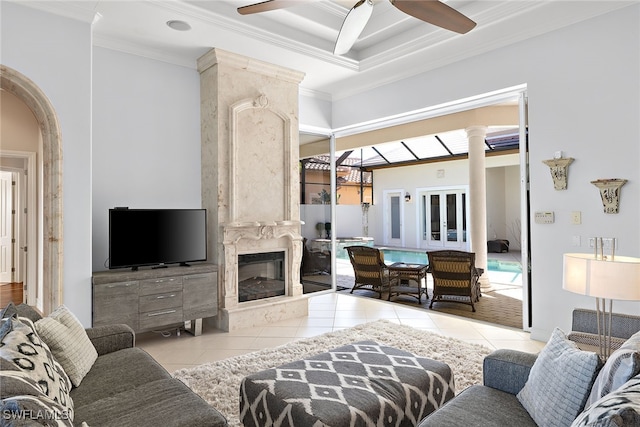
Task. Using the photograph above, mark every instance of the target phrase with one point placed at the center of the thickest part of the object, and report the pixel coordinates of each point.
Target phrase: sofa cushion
(116, 372)
(480, 406)
(559, 382)
(69, 343)
(621, 366)
(166, 402)
(22, 351)
(23, 410)
(620, 408)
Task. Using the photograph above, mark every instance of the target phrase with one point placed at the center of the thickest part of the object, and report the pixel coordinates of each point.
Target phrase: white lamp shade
(618, 279)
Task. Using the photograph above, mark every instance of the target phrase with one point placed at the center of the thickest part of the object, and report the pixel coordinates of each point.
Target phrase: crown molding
(125, 46)
(315, 94)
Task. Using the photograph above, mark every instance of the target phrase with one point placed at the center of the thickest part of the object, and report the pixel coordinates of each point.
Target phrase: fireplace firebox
(261, 275)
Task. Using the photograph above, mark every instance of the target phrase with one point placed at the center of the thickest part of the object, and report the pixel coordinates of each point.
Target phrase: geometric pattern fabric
(361, 384)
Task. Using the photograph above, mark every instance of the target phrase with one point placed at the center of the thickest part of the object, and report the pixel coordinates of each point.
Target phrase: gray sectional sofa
(505, 372)
(127, 387)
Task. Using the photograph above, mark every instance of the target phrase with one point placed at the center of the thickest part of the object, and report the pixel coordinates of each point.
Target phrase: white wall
(315, 110)
(55, 53)
(583, 90)
(146, 139)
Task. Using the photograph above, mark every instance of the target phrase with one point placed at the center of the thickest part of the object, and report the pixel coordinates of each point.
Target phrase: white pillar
(478, 199)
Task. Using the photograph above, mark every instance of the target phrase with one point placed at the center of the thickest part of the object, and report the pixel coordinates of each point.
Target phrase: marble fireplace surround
(250, 188)
(258, 238)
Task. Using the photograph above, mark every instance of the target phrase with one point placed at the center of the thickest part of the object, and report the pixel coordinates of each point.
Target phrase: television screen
(139, 237)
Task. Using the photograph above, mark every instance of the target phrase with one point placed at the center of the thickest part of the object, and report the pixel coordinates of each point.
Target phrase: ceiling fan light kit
(431, 11)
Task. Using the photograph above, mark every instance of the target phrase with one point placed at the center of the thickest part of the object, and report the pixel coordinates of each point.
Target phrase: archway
(52, 256)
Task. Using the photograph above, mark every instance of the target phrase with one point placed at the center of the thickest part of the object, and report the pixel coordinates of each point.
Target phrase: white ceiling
(393, 45)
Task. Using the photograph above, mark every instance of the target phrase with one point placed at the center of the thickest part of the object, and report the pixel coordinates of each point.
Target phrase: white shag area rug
(219, 382)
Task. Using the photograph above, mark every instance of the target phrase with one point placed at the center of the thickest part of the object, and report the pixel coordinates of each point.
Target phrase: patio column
(478, 199)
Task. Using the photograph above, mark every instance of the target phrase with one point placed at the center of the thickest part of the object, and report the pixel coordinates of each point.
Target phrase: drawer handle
(126, 285)
(160, 313)
(195, 277)
(165, 296)
(164, 280)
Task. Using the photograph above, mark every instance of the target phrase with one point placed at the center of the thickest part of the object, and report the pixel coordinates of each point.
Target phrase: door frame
(50, 164)
(28, 268)
(422, 191)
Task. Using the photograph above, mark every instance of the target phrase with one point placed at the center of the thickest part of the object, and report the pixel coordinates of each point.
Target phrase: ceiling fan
(432, 11)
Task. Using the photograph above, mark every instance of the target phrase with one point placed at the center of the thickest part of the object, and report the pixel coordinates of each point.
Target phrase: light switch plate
(576, 217)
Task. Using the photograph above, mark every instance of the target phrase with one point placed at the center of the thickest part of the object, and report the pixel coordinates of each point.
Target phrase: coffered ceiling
(393, 45)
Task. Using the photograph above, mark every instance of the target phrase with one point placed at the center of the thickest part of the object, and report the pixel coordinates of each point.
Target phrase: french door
(443, 217)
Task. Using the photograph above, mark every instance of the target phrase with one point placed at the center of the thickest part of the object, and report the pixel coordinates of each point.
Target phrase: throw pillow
(22, 350)
(559, 382)
(621, 366)
(69, 343)
(620, 408)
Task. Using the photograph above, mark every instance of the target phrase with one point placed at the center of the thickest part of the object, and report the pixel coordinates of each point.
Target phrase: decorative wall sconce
(407, 197)
(610, 193)
(559, 168)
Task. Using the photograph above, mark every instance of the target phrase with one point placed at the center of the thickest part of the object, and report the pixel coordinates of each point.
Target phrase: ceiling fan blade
(266, 6)
(352, 26)
(436, 13)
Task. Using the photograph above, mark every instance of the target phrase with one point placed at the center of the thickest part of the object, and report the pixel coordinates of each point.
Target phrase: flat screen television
(156, 237)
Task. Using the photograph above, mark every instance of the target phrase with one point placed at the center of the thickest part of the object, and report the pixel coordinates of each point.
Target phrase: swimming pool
(415, 257)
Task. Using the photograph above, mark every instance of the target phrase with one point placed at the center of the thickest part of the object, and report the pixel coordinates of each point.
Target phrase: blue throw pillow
(559, 382)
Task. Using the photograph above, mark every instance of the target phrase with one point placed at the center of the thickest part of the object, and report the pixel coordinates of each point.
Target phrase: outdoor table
(406, 273)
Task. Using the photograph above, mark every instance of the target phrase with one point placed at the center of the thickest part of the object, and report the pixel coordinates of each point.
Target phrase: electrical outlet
(606, 242)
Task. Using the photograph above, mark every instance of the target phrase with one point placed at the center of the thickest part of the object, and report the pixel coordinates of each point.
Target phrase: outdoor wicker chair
(370, 270)
(455, 275)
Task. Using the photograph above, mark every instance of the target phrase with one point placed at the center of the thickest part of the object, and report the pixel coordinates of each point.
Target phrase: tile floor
(327, 312)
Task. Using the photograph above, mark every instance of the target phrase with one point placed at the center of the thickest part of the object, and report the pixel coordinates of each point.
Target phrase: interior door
(444, 219)
(6, 227)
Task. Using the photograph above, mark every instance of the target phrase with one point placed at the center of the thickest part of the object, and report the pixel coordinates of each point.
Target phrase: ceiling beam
(500, 115)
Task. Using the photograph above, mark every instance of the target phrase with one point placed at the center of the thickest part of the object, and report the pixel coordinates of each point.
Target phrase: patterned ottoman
(361, 384)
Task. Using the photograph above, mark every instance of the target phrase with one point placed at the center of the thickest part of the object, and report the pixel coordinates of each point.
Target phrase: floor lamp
(606, 278)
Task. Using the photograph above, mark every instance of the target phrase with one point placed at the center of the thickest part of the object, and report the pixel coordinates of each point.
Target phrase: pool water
(414, 257)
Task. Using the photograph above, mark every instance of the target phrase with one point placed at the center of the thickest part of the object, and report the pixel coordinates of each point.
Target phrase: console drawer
(160, 318)
(160, 285)
(160, 301)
